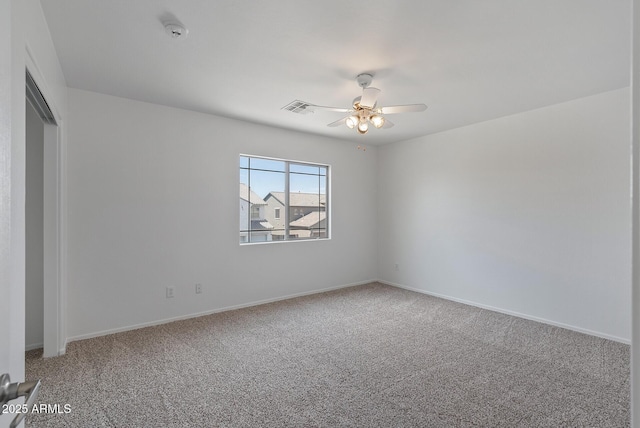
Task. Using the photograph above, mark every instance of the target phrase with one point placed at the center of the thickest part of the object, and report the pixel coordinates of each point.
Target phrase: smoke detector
(175, 30)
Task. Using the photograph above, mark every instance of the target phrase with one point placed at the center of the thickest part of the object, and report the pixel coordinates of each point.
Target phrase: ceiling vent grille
(299, 107)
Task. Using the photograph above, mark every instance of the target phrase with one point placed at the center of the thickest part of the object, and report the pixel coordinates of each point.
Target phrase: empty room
(292, 213)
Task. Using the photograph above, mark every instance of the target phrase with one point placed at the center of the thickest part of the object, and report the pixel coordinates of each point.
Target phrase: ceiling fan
(365, 109)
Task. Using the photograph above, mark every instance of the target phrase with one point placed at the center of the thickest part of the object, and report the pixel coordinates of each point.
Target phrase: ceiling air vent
(299, 107)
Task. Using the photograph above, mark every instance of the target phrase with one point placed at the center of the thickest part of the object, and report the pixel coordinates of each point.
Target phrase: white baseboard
(512, 313)
(214, 311)
(33, 346)
(308, 293)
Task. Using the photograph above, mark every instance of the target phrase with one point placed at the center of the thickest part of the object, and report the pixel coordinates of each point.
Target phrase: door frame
(54, 227)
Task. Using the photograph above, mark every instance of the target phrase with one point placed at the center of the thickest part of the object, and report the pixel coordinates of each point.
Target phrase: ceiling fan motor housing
(175, 30)
(364, 80)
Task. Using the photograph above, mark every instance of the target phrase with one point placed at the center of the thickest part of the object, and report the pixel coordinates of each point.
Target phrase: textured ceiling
(468, 60)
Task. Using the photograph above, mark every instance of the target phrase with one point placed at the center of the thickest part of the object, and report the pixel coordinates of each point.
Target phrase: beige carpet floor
(367, 356)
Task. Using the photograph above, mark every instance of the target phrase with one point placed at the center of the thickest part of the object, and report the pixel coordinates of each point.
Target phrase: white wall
(34, 222)
(153, 202)
(528, 214)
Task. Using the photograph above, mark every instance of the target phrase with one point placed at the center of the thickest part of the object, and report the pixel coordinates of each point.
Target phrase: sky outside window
(263, 182)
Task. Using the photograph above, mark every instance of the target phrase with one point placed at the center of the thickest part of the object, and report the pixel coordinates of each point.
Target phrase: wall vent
(299, 107)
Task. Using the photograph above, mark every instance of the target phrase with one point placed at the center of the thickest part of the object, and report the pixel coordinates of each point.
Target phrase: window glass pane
(245, 218)
(244, 162)
(322, 182)
(268, 164)
(323, 202)
(307, 209)
(321, 233)
(271, 189)
(304, 169)
(323, 170)
(244, 176)
(263, 182)
(267, 191)
(302, 183)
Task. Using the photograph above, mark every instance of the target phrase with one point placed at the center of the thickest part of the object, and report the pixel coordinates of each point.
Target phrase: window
(255, 212)
(282, 200)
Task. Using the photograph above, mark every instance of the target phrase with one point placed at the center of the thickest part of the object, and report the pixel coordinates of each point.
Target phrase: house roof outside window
(311, 220)
(299, 199)
(250, 196)
(258, 225)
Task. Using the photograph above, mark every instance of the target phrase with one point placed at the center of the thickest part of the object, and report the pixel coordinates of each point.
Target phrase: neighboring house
(252, 216)
(300, 204)
(313, 225)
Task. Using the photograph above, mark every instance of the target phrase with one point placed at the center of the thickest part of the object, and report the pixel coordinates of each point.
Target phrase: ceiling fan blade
(338, 122)
(403, 109)
(369, 97)
(387, 123)
(313, 107)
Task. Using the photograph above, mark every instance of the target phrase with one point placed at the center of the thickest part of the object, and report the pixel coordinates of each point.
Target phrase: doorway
(43, 225)
(34, 230)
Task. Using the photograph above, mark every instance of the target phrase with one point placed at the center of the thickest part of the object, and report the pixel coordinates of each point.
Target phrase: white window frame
(287, 207)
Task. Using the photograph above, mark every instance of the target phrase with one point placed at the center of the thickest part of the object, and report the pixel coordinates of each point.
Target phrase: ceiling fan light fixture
(377, 121)
(365, 109)
(363, 127)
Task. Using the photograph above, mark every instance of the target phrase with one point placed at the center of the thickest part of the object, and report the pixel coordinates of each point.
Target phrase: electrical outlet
(170, 291)
(198, 288)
